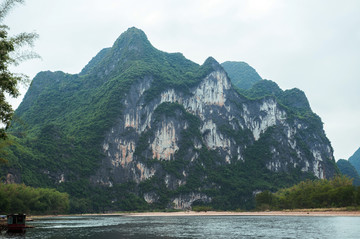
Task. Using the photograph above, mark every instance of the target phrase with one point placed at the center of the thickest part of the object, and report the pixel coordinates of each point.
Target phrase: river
(108, 227)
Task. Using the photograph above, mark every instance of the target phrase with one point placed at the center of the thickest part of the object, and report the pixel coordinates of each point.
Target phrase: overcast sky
(313, 45)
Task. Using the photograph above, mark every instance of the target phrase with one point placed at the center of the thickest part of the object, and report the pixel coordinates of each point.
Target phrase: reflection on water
(194, 227)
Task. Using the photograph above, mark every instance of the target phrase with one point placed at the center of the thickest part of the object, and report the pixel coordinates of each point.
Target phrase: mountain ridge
(150, 129)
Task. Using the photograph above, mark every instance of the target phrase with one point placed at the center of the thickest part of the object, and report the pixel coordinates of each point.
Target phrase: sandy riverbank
(267, 213)
(304, 212)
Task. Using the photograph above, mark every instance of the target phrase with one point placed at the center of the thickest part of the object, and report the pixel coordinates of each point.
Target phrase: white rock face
(291, 132)
(317, 155)
(132, 116)
(145, 172)
(167, 180)
(62, 178)
(150, 197)
(194, 157)
(274, 165)
(132, 119)
(124, 154)
(306, 167)
(318, 170)
(105, 147)
(269, 115)
(210, 102)
(239, 155)
(165, 145)
(214, 139)
(185, 201)
(170, 96)
(211, 91)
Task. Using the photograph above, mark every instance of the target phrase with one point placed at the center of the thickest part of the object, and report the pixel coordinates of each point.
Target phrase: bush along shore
(311, 196)
(335, 193)
(19, 198)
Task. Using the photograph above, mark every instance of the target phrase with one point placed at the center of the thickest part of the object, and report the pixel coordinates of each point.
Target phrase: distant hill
(355, 160)
(349, 170)
(294, 99)
(241, 74)
(250, 84)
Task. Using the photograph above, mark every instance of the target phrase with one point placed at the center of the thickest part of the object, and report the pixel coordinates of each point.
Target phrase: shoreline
(303, 212)
(265, 213)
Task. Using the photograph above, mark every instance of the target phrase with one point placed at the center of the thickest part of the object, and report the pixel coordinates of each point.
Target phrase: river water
(193, 227)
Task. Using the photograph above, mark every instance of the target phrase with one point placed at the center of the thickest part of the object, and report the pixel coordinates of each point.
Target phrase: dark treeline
(18, 198)
(337, 192)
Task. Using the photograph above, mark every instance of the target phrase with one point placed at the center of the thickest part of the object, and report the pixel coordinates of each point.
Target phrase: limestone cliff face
(229, 123)
(138, 123)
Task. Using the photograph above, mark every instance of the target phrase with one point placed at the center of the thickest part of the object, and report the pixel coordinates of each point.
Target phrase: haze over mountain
(355, 160)
(139, 128)
(349, 170)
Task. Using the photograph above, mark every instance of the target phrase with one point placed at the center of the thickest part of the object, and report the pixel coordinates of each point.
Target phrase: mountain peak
(134, 32)
(211, 62)
(132, 39)
(131, 44)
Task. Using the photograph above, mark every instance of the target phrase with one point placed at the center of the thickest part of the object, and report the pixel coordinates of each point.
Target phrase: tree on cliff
(11, 54)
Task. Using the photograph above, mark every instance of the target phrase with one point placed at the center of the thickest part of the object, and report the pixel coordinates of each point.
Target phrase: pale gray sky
(313, 45)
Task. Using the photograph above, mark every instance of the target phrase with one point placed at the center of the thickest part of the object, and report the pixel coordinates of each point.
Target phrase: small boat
(16, 223)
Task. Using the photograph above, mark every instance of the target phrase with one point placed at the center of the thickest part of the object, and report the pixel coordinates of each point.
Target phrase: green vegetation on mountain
(15, 198)
(347, 169)
(228, 185)
(294, 100)
(57, 135)
(250, 84)
(241, 74)
(65, 135)
(337, 192)
(355, 160)
(58, 141)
